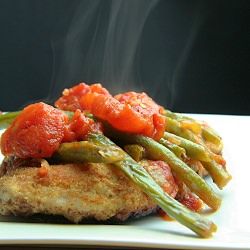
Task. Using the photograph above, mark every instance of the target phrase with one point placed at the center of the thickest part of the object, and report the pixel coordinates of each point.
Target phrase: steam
(100, 45)
(104, 42)
(124, 32)
(197, 20)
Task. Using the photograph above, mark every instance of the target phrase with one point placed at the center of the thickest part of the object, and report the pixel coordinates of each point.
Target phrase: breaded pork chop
(75, 191)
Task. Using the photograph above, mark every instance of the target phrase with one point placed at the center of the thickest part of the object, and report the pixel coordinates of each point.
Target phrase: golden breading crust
(75, 191)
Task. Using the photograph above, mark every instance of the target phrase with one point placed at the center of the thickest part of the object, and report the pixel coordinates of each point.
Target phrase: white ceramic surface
(232, 218)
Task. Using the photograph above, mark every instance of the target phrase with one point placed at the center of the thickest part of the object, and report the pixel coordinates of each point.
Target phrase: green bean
(174, 127)
(181, 117)
(194, 221)
(178, 151)
(193, 150)
(220, 177)
(183, 172)
(135, 151)
(177, 116)
(7, 119)
(208, 133)
(195, 183)
(218, 173)
(88, 151)
(210, 136)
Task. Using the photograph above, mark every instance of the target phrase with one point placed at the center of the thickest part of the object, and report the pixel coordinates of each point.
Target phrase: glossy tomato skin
(71, 98)
(37, 132)
(120, 116)
(80, 126)
(40, 128)
(129, 112)
(148, 110)
(140, 114)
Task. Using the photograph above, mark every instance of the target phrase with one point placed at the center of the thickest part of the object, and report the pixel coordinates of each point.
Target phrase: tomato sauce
(192, 202)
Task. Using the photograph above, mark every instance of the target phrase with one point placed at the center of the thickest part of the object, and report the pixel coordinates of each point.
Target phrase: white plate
(232, 218)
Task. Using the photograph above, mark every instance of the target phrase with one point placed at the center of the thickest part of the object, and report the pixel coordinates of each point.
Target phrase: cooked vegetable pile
(88, 124)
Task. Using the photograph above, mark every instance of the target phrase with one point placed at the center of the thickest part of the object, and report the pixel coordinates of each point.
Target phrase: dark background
(192, 56)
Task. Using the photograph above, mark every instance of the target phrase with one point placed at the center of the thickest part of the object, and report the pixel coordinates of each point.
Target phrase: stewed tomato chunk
(70, 99)
(36, 132)
(129, 112)
(148, 112)
(40, 128)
